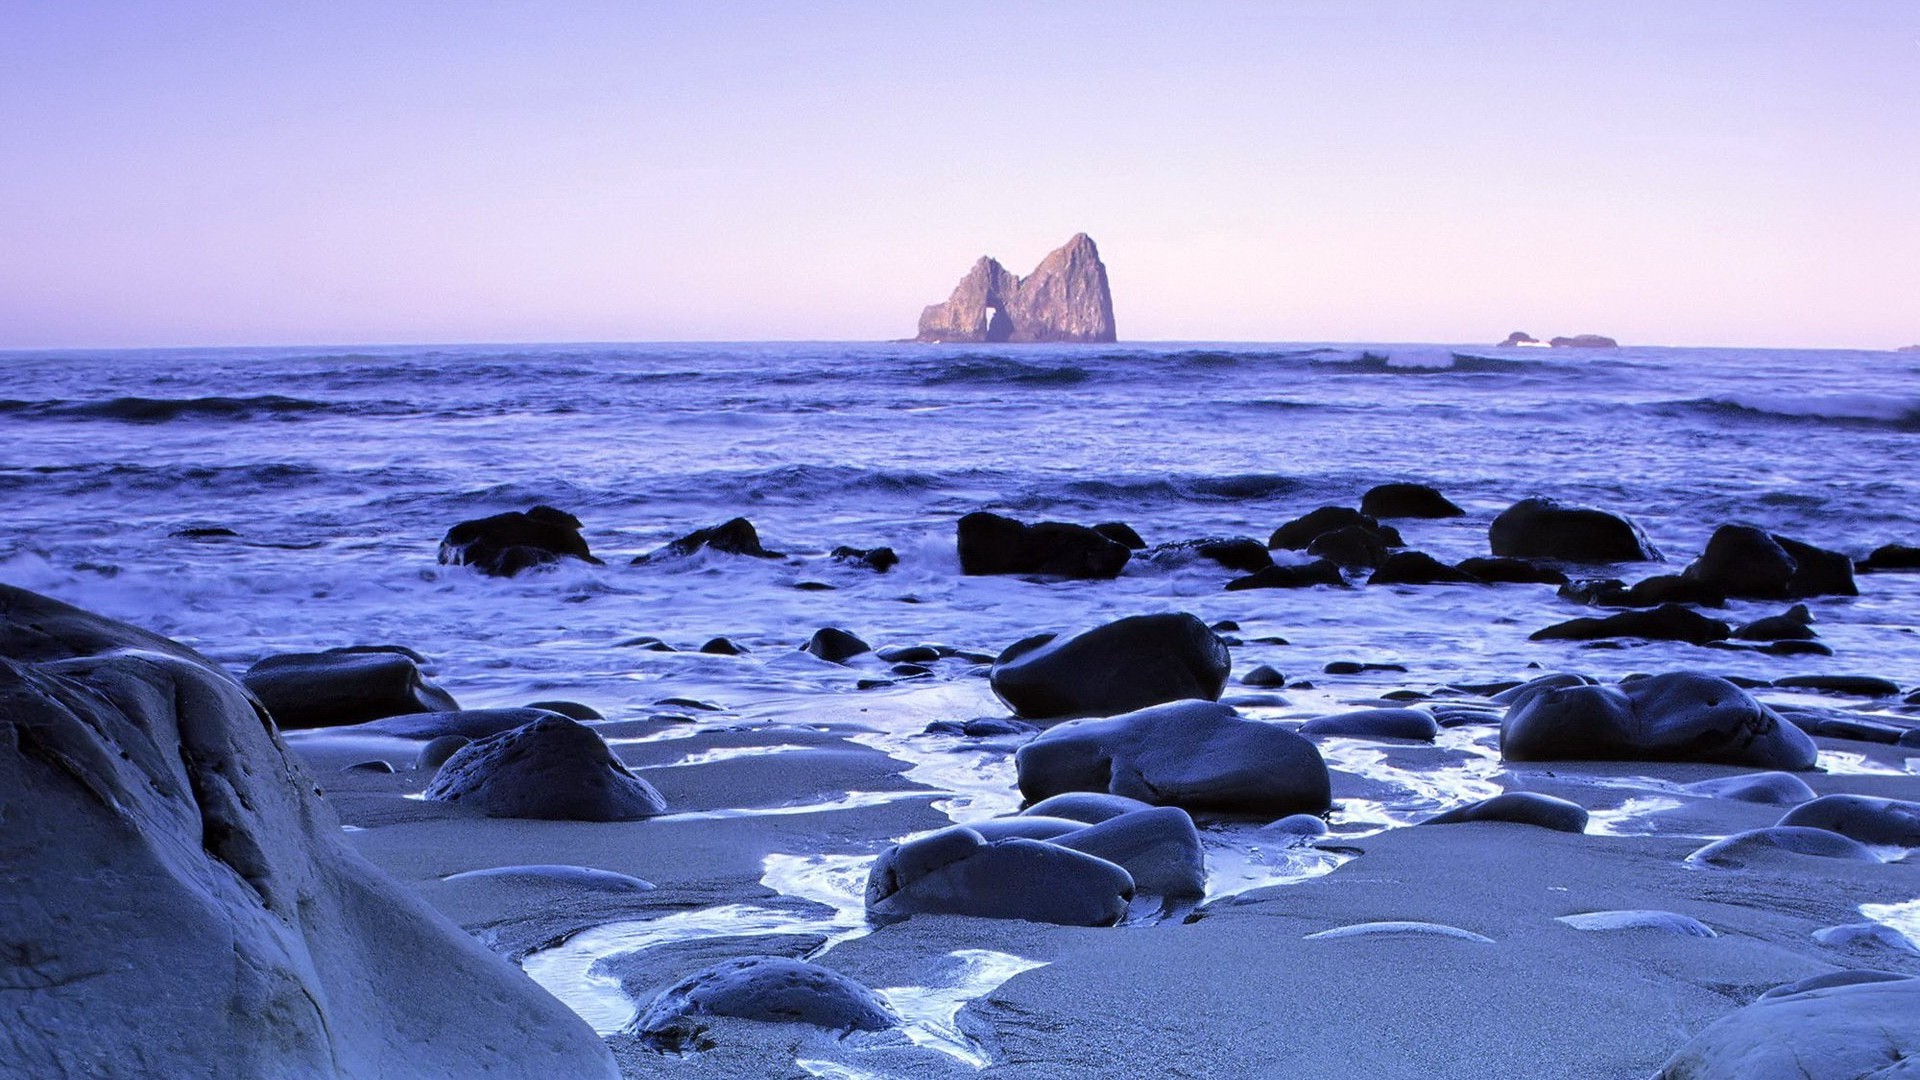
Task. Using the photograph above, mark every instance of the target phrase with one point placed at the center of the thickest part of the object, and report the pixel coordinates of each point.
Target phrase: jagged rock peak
(1065, 299)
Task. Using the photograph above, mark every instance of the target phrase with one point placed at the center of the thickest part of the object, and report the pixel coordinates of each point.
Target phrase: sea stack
(1584, 341)
(1064, 299)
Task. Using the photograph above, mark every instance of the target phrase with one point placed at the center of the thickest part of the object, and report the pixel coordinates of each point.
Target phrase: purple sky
(1665, 171)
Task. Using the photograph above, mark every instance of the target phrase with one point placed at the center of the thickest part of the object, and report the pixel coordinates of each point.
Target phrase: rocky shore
(1136, 848)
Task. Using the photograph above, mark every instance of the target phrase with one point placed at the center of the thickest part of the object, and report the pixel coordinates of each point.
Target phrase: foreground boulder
(1122, 666)
(991, 544)
(1197, 755)
(1548, 529)
(343, 686)
(554, 769)
(179, 903)
(957, 871)
(773, 989)
(1681, 716)
(1065, 299)
(506, 544)
(1751, 563)
(1850, 1031)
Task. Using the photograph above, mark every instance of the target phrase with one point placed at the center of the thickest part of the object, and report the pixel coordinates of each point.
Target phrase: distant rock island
(1909, 348)
(1064, 299)
(1578, 341)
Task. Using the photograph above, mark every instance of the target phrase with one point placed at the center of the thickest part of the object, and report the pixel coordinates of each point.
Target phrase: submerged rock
(343, 687)
(1404, 500)
(179, 902)
(1795, 624)
(1242, 553)
(506, 544)
(1522, 808)
(554, 769)
(834, 645)
(991, 544)
(1197, 755)
(734, 537)
(1681, 716)
(1351, 548)
(1748, 562)
(1066, 298)
(957, 871)
(1305, 529)
(1547, 529)
(1304, 576)
(1849, 1031)
(1506, 571)
(1125, 665)
(1668, 622)
(880, 559)
(1419, 568)
(1890, 558)
(773, 989)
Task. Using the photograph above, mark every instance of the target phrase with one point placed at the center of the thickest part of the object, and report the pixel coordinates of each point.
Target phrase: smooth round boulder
(834, 645)
(437, 751)
(1354, 547)
(554, 769)
(1679, 716)
(956, 871)
(1865, 818)
(772, 989)
(1794, 624)
(1847, 1032)
(1890, 559)
(992, 544)
(506, 544)
(1158, 846)
(1198, 755)
(1376, 724)
(1751, 563)
(1548, 529)
(1521, 808)
(1769, 788)
(325, 689)
(1089, 807)
(1303, 530)
(1740, 849)
(1404, 500)
(1125, 665)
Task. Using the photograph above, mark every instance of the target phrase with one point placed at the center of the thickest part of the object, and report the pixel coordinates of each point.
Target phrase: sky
(1685, 172)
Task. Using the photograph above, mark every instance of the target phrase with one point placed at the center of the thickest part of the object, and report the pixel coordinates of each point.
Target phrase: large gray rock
(1681, 716)
(1748, 562)
(1198, 755)
(772, 989)
(957, 871)
(1547, 529)
(1865, 818)
(1125, 665)
(553, 769)
(992, 544)
(343, 687)
(1066, 298)
(176, 901)
(1854, 1031)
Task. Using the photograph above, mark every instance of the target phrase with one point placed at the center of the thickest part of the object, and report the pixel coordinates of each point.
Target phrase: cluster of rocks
(1577, 341)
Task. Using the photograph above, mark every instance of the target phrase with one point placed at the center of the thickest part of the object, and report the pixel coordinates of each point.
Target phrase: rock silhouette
(1064, 299)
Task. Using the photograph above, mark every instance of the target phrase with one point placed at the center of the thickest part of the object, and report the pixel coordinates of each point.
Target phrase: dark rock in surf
(771, 989)
(1197, 755)
(1359, 667)
(957, 871)
(1794, 625)
(1681, 716)
(880, 559)
(1418, 568)
(1519, 807)
(721, 647)
(1407, 501)
(1548, 529)
(735, 537)
(1242, 553)
(1066, 298)
(1506, 571)
(180, 902)
(1121, 533)
(1264, 676)
(212, 532)
(1751, 563)
(991, 544)
(1519, 337)
(506, 544)
(1354, 547)
(1417, 724)
(553, 769)
(834, 645)
(1859, 685)
(1870, 820)
(1584, 341)
(1890, 558)
(1306, 575)
(1668, 622)
(1122, 666)
(1303, 530)
(1645, 593)
(324, 689)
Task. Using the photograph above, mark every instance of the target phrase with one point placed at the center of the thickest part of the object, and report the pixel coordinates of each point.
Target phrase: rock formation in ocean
(1519, 337)
(1584, 341)
(1064, 299)
(179, 901)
